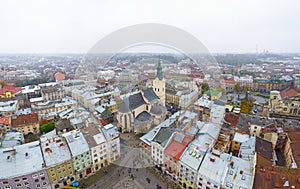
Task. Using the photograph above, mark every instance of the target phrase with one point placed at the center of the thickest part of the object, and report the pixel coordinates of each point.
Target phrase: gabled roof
(23, 120)
(264, 148)
(11, 89)
(150, 94)
(132, 102)
(163, 135)
(175, 149)
(288, 92)
(295, 146)
(276, 177)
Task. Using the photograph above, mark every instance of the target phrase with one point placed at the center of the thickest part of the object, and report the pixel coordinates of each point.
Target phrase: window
(19, 185)
(26, 183)
(38, 185)
(44, 183)
(17, 180)
(41, 174)
(243, 177)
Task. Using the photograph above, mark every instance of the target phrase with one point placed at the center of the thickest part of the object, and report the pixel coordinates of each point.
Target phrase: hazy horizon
(69, 27)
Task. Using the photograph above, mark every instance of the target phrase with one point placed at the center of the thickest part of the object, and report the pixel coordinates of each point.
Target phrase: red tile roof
(187, 140)
(5, 120)
(175, 149)
(59, 76)
(295, 136)
(11, 89)
(275, 177)
(288, 92)
(232, 118)
(229, 81)
(23, 120)
(264, 148)
(295, 146)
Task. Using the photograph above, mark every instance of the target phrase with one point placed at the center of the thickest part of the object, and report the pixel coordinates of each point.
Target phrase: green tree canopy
(45, 128)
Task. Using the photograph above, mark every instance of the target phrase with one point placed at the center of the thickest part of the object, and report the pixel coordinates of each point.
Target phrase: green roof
(212, 93)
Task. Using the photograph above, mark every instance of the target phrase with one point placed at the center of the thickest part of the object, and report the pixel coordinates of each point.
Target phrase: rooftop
(204, 102)
(110, 132)
(11, 139)
(239, 174)
(276, 177)
(264, 148)
(239, 137)
(247, 149)
(8, 106)
(217, 114)
(150, 95)
(76, 142)
(215, 166)
(24, 120)
(175, 149)
(5, 120)
(192, 156)
(295, 146)
(93, 135)
(163, 135)
(20, 160)
(55, 150)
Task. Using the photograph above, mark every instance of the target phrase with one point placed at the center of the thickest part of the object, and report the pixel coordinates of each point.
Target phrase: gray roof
(63, 124)
(143, 116)
(244, 119)
(163, 135)
(132, 102)
(150, 94)
(157, 109)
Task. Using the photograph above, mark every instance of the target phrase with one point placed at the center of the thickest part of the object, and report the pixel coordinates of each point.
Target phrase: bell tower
(159, 84)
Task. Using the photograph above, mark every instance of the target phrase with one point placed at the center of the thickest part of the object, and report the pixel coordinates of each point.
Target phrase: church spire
(159, 74)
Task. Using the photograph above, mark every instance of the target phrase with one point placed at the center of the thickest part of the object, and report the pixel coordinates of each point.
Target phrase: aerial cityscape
(147, 106)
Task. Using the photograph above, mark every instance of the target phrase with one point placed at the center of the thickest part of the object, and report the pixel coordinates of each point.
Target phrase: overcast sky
(70, 26)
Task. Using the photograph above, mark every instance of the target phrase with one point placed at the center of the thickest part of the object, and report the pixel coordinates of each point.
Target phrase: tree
(3, 83)
(204, 87)
(45, 128)
(237, 87)
(246, 106)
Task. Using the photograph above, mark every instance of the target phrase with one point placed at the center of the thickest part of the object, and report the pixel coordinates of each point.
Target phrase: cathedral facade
(142, 109)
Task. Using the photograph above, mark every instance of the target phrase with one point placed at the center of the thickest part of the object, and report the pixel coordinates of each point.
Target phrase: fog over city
(232, 26)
